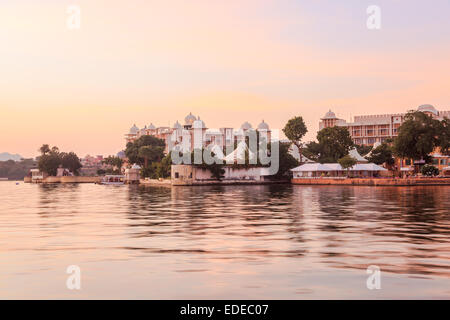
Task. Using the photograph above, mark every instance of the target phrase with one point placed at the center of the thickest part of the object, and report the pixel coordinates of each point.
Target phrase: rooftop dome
(428, 108)
(177, 125)
(263, 126)
(190, 118)
(134, 129)
(198, 124)
(151, 127)
(330, 115)
(246, 126)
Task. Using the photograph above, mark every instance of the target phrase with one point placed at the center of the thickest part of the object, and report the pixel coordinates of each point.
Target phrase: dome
(330, 115)
(177, 125)
(246, 125)
(121, 155)
(198, 124)
(263, 126)
(151, 127)
(428, 108)
(134, 129)
(190, 118)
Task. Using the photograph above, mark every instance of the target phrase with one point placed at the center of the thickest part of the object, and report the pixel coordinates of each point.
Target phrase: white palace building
(194, 134)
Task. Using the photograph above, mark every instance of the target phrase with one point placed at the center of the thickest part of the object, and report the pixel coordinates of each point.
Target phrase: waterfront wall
(156, 182)
(373, 182)
(66, 179)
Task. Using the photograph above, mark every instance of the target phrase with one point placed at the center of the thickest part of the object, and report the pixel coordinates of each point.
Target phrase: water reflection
(256, 237)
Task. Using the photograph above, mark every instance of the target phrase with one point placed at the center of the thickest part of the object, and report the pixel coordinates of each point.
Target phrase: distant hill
(5, 156)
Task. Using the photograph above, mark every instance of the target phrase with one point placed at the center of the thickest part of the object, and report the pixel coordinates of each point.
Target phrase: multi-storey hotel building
(370, 129)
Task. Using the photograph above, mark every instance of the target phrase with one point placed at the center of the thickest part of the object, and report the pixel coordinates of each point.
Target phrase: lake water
(224, 242)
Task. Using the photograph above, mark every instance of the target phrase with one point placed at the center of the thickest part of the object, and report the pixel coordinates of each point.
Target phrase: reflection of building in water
(369, 129)
(194, 134)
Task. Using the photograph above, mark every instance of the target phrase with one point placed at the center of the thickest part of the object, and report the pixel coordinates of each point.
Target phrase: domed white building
(177, 126)
(189, 119)
(263, 126)
(198, 124)
(134, 129)
(246, 126)
(428, 108)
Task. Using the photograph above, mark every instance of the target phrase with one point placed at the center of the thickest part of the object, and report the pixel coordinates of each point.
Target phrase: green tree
(134, 154)
(51, 159)
(71, 161)
(295, 129)
(286, 161)
(347, 162)
(362, 149)
(49, 163)
(151, 154)
(333, 144)
(417, 136)
(114, 162)
(443, 138)
(382, 154)
(44, 149)
(429, 170)
(165, 168)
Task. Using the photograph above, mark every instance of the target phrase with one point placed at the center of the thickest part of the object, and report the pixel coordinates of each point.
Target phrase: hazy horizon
(228, 62)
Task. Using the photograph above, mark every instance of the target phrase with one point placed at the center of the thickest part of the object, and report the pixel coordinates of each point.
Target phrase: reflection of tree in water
(223, 212)
(391, 225)
(57, 198)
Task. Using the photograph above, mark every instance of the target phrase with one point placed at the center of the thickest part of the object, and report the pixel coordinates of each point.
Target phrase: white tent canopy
(239, 154)
(355, 155)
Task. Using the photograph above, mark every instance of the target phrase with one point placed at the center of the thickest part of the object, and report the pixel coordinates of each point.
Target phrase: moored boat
(113, 180)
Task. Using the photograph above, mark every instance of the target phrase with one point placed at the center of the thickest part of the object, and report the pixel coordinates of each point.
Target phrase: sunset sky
(141, 61)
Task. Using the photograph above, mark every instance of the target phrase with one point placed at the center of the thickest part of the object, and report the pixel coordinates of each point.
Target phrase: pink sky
(156, 61)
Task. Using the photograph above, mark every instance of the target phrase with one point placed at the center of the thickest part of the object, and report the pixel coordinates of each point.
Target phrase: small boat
(113, 180)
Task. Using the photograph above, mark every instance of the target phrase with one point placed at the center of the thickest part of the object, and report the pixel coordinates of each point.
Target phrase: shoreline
(373, 181)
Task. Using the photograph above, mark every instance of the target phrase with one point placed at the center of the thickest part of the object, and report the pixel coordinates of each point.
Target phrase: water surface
(222, 242)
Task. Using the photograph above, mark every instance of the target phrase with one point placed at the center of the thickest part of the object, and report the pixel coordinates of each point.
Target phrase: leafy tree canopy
(347, 162)
(333, 144)
(382, 154)
(417, 136)
(51, 159)
(154, 151)
(295, 129)
(429, 170)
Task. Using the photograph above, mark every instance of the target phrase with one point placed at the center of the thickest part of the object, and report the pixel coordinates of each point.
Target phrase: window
(443, 162)
(408, 162)
(177, 175)
(436, 161)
